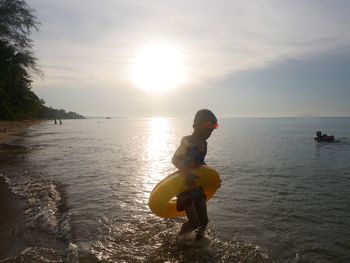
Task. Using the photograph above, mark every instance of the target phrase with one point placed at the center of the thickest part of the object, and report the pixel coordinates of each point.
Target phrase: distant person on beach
(55, 122)
(189, 155)
(60, 121)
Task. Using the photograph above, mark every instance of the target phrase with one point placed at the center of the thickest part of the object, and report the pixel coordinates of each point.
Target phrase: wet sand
(8, 215)
(17, 241)
(12, 213)
(11, 208)
(11, 130)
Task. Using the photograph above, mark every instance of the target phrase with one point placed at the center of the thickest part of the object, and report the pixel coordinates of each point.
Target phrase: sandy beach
(12, 215)
(9, 130)
(10, 207)
(11, 210)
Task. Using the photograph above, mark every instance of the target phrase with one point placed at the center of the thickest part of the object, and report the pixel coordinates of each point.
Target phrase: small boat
(324, 137)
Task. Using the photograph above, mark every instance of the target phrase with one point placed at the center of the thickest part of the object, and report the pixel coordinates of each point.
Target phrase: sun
(158, 68)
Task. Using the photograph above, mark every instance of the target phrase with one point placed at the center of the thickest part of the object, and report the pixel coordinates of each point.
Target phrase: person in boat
(323, 137)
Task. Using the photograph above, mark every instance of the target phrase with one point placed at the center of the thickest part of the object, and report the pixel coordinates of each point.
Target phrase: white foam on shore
(43, 214)
(42, 200)
(152, 239)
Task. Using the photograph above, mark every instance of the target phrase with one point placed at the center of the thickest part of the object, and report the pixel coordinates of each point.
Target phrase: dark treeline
(18, 64)
(50, 113)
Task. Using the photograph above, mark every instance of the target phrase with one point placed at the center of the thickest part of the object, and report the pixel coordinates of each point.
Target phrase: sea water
(284, 197)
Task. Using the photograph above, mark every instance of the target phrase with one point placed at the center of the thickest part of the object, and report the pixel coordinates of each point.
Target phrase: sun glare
(158, 68)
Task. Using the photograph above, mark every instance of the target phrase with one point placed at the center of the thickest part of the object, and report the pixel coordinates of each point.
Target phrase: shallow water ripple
(284, 198)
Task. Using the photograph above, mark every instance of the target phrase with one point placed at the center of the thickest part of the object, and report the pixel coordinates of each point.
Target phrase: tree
(17, 60)
(16, 23)
(17, 63)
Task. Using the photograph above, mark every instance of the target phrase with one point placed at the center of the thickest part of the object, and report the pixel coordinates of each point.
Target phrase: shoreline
(11, 130)
(11, 207)
(20, 239)
(12, 211)
(8, 214)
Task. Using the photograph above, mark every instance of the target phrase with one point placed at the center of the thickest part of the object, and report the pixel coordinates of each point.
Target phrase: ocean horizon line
(220, 117)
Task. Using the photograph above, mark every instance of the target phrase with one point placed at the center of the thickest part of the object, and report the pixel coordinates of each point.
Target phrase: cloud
(86, 49)
(94, 42)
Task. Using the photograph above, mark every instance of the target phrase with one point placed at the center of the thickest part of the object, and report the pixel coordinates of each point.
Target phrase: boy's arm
(184, 163)
(179, 158)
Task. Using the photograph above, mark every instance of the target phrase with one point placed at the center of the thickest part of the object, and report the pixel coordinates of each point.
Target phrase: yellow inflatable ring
(162, 200)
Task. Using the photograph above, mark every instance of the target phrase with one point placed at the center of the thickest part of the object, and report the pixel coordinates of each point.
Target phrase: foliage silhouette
(18, 63)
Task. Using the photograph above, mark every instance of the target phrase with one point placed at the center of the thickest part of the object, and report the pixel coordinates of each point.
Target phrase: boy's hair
(203, 116)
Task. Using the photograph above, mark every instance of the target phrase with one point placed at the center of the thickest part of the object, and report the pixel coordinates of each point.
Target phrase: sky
(171, 58)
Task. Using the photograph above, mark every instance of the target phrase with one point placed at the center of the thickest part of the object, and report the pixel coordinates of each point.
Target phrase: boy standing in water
(190, 155)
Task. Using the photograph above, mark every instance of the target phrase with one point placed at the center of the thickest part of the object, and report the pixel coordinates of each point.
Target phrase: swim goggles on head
(210, 125)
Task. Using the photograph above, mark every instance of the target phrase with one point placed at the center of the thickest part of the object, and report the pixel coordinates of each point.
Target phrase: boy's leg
(193, 219)
(201, 207)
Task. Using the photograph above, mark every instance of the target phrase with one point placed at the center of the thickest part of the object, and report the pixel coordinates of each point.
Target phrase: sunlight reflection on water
(276, 183)
(157, 152)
